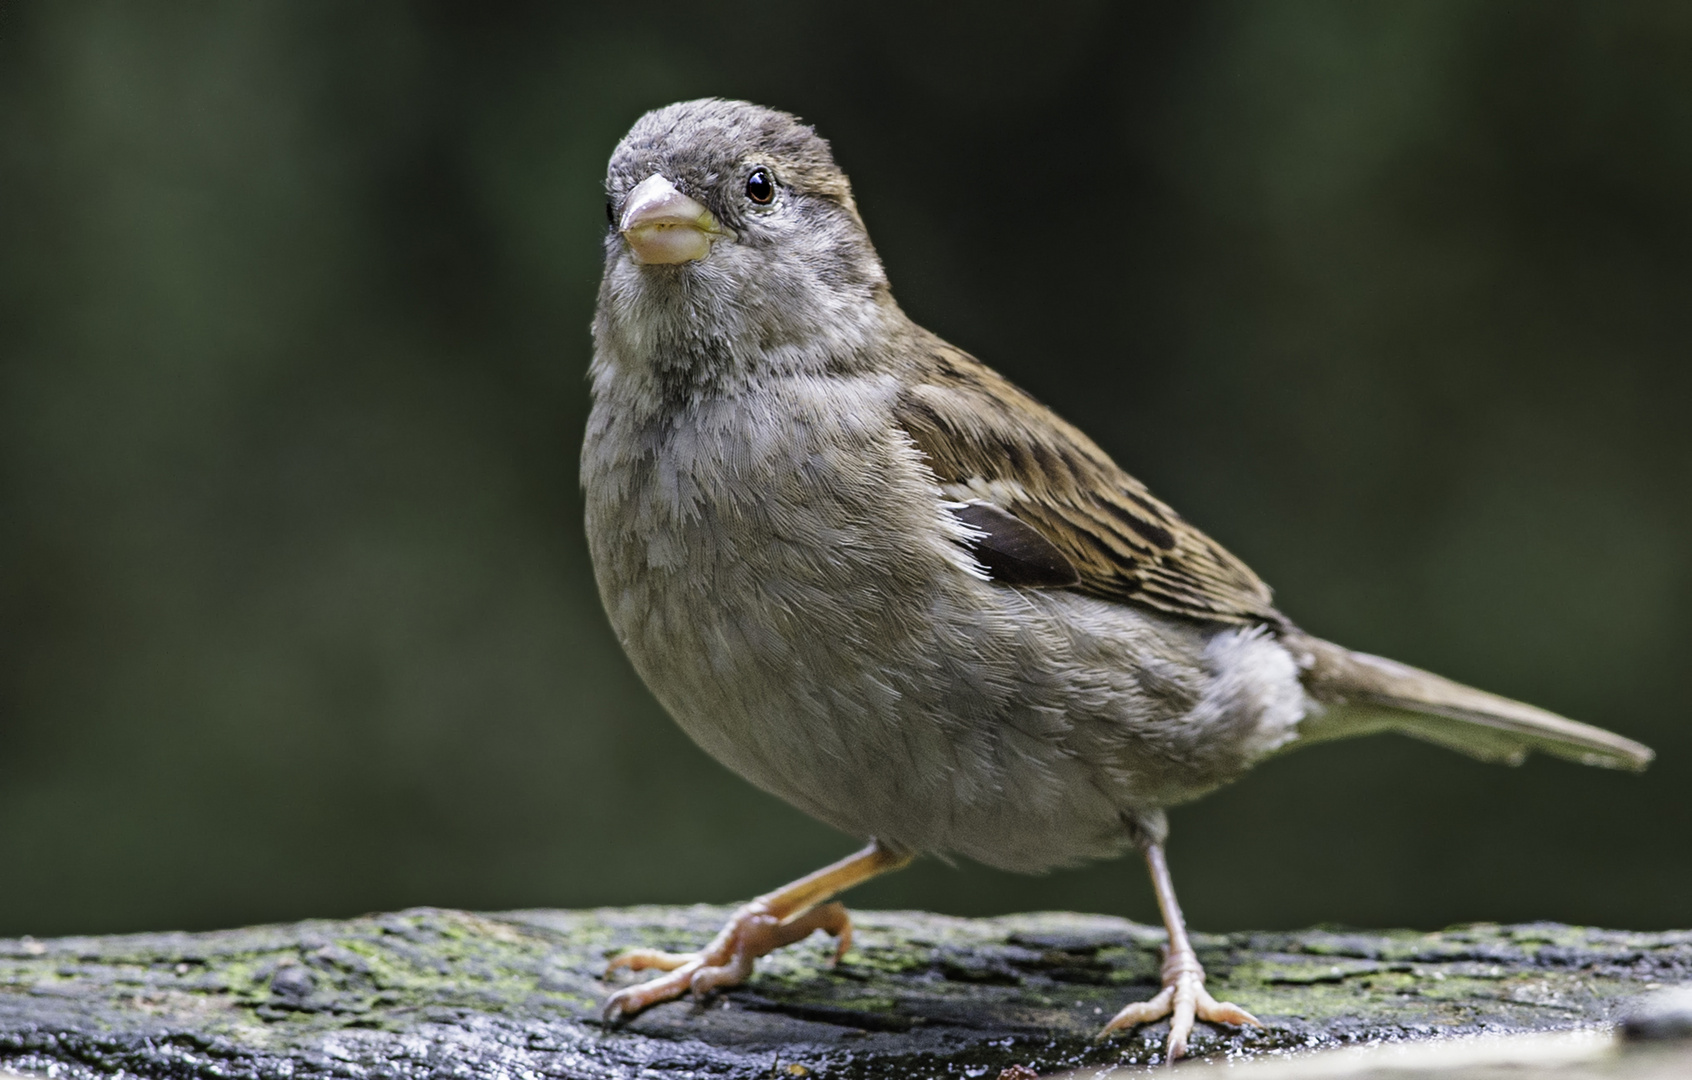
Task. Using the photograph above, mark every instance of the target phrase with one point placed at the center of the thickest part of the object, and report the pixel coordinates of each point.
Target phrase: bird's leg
(769, 922)
(1183, 997)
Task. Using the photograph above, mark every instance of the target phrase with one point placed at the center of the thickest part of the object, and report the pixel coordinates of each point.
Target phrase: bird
(878, 580)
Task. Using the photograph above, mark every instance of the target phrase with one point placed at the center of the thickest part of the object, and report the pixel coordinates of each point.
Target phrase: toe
(1181, 1022)
(619, 1007)
(1225, 1012)
(630, 1000)
(1140, 1012)
(641, 959)
(830, 919)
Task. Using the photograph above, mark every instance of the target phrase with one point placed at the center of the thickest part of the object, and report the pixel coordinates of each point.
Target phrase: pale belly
(794, 629)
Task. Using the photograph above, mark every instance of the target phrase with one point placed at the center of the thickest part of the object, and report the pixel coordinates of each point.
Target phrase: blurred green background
(296, 617)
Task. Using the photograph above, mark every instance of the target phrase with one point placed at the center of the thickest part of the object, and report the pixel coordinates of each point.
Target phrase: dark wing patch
(990, 443)
(1015, 553)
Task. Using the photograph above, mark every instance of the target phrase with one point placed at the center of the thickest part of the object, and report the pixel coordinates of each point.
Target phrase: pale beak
(664, 226)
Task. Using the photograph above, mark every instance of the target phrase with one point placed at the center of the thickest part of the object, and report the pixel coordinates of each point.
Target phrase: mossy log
(429, 992)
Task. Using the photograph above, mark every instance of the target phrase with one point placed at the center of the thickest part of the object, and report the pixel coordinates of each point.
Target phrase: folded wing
(989, 442)
(1049, 509)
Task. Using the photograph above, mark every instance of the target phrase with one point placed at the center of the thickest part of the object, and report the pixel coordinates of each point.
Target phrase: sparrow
(873, 577)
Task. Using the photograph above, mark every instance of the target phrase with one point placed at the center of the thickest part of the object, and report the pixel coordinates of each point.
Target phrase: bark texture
(430, 992)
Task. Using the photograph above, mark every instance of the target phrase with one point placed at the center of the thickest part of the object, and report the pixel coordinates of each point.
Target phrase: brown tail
(1363, 694)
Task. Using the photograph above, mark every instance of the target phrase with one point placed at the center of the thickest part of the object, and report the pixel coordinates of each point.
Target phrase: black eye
(760, 187)
(610, 211)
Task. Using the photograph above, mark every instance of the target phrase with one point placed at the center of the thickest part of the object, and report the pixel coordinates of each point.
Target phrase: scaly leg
(1183, 997)
(769, 922)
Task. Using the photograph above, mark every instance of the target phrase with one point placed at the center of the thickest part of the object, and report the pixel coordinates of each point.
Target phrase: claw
(750, 933)
(1183, 999)
(767, 923)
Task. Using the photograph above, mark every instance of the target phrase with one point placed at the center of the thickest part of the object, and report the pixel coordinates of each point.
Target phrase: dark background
(296, 617)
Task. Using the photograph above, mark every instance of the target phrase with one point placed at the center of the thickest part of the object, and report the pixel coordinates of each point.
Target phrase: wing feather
(981, 433)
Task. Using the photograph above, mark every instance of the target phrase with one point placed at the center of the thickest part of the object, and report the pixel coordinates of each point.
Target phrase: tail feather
(1361, 694)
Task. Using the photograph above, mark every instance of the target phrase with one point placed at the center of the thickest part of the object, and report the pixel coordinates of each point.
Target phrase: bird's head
(731, 227)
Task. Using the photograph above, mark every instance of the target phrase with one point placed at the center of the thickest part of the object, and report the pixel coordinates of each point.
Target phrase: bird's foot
(751, 932)
(1183, 999)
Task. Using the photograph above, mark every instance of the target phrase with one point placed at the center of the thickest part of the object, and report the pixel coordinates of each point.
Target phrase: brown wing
(989, 441)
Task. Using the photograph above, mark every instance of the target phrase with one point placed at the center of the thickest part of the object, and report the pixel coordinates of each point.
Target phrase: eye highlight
(760, 186)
